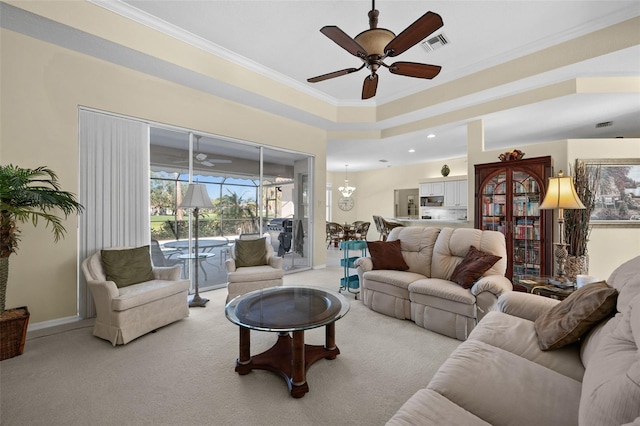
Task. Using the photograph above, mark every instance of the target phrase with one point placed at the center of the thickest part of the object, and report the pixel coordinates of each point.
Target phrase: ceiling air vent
(434, 43)
(604, 124)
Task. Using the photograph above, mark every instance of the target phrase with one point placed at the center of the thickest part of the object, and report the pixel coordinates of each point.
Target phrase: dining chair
(335, 234)
(387, 226)
(377, 220)
(163, 258)
(361, 230)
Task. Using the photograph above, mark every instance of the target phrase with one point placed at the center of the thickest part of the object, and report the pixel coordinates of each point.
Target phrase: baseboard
(53, 323)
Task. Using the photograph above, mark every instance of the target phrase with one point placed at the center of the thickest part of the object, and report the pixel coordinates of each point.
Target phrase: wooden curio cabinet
(508, 195)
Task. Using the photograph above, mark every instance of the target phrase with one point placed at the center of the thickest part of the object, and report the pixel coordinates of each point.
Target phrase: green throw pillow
(251, 252)
(128, 266)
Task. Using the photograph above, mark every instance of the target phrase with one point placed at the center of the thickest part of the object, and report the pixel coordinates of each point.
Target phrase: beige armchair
(243, 279)
(125, 313)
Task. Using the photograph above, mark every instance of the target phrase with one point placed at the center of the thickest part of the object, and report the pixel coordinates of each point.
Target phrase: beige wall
(42, 87)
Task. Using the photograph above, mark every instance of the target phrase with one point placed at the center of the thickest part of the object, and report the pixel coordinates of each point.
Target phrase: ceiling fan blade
(343, 40)
(333, 74)
(419, 30)
(414, 69)
(370, 86)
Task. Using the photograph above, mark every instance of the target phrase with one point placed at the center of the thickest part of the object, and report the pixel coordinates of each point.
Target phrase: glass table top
(287, 308)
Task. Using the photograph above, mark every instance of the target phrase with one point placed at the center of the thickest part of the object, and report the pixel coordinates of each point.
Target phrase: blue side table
(348, 282)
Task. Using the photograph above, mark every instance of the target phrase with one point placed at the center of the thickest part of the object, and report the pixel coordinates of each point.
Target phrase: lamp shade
(561, 194)
(196, 196)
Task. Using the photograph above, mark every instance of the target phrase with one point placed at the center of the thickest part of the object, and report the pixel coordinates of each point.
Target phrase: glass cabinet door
(526, 224)
(508, 196)
(494, 203)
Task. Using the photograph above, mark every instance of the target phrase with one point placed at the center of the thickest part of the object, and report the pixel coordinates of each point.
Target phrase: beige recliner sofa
(424, 293)
(499, 376)
(126, 313)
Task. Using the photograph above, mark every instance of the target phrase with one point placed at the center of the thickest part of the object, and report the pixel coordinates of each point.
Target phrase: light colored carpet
(183, 374)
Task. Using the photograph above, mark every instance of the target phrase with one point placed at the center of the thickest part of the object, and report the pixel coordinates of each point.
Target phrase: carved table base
(289, 357)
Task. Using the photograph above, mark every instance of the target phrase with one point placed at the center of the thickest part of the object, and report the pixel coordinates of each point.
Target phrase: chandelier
(346, 190)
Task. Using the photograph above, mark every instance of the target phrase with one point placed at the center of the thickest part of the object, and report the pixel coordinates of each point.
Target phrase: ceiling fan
(376, 44)
(202, 158)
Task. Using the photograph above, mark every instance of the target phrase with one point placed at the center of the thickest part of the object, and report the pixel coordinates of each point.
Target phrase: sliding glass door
(253, 190)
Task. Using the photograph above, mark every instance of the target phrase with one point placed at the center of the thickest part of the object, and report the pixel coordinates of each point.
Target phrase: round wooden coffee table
(289, 311)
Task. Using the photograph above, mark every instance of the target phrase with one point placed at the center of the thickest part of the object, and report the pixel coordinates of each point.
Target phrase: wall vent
(604, 124)
(434, 43)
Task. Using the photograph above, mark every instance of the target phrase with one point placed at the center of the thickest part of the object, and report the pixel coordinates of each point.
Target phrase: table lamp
(561, 194)
(196, 198)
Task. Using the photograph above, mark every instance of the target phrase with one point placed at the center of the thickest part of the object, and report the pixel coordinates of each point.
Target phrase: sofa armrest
(363, 264)
(524, 305)
(276, 262)
(103, 293)
(496, 284)
(167, 273)
(230, 265)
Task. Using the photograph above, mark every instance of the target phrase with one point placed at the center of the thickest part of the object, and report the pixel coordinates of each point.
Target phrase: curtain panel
(113, 188)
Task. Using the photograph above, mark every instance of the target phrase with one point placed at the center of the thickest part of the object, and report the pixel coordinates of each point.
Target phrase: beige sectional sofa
(499, 375)
(424, 292)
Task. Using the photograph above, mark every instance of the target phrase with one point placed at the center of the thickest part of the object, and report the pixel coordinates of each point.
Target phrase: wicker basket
(13, 332)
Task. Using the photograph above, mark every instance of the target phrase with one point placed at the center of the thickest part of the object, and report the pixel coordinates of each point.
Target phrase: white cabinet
(463, 193)
(455, 193)
(431, 189)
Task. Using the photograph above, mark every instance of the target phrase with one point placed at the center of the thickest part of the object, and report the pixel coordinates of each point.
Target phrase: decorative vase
(445, 170)
(576, 265)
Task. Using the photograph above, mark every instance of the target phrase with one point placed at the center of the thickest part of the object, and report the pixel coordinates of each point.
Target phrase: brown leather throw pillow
(387, 255)
(474, 264)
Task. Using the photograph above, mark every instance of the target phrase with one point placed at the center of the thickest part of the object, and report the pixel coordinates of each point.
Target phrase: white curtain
(113, 188)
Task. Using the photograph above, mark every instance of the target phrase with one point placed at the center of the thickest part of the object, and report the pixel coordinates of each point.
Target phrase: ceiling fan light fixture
(374, 45)
(375, 40)
(201, 157)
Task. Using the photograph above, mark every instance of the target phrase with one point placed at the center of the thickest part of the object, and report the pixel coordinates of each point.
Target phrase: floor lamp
(561, 194)
(196, 198)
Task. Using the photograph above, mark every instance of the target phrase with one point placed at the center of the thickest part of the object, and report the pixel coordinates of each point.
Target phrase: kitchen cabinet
(455, 193)
(507, 199)
(432, 189)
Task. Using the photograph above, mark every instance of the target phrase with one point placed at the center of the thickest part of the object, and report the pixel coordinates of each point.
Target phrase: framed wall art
(617, 192)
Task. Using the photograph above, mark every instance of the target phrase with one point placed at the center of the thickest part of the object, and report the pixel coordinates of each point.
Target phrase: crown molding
(134, 14)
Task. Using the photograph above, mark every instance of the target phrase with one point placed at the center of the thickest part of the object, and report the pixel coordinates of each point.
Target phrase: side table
(537, 284)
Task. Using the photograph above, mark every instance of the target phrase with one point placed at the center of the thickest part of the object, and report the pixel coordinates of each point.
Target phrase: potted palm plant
(26, 195)
(576, 221)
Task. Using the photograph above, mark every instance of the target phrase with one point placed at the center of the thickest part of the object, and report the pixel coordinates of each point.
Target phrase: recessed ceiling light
(412, 150)
(431, 135)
